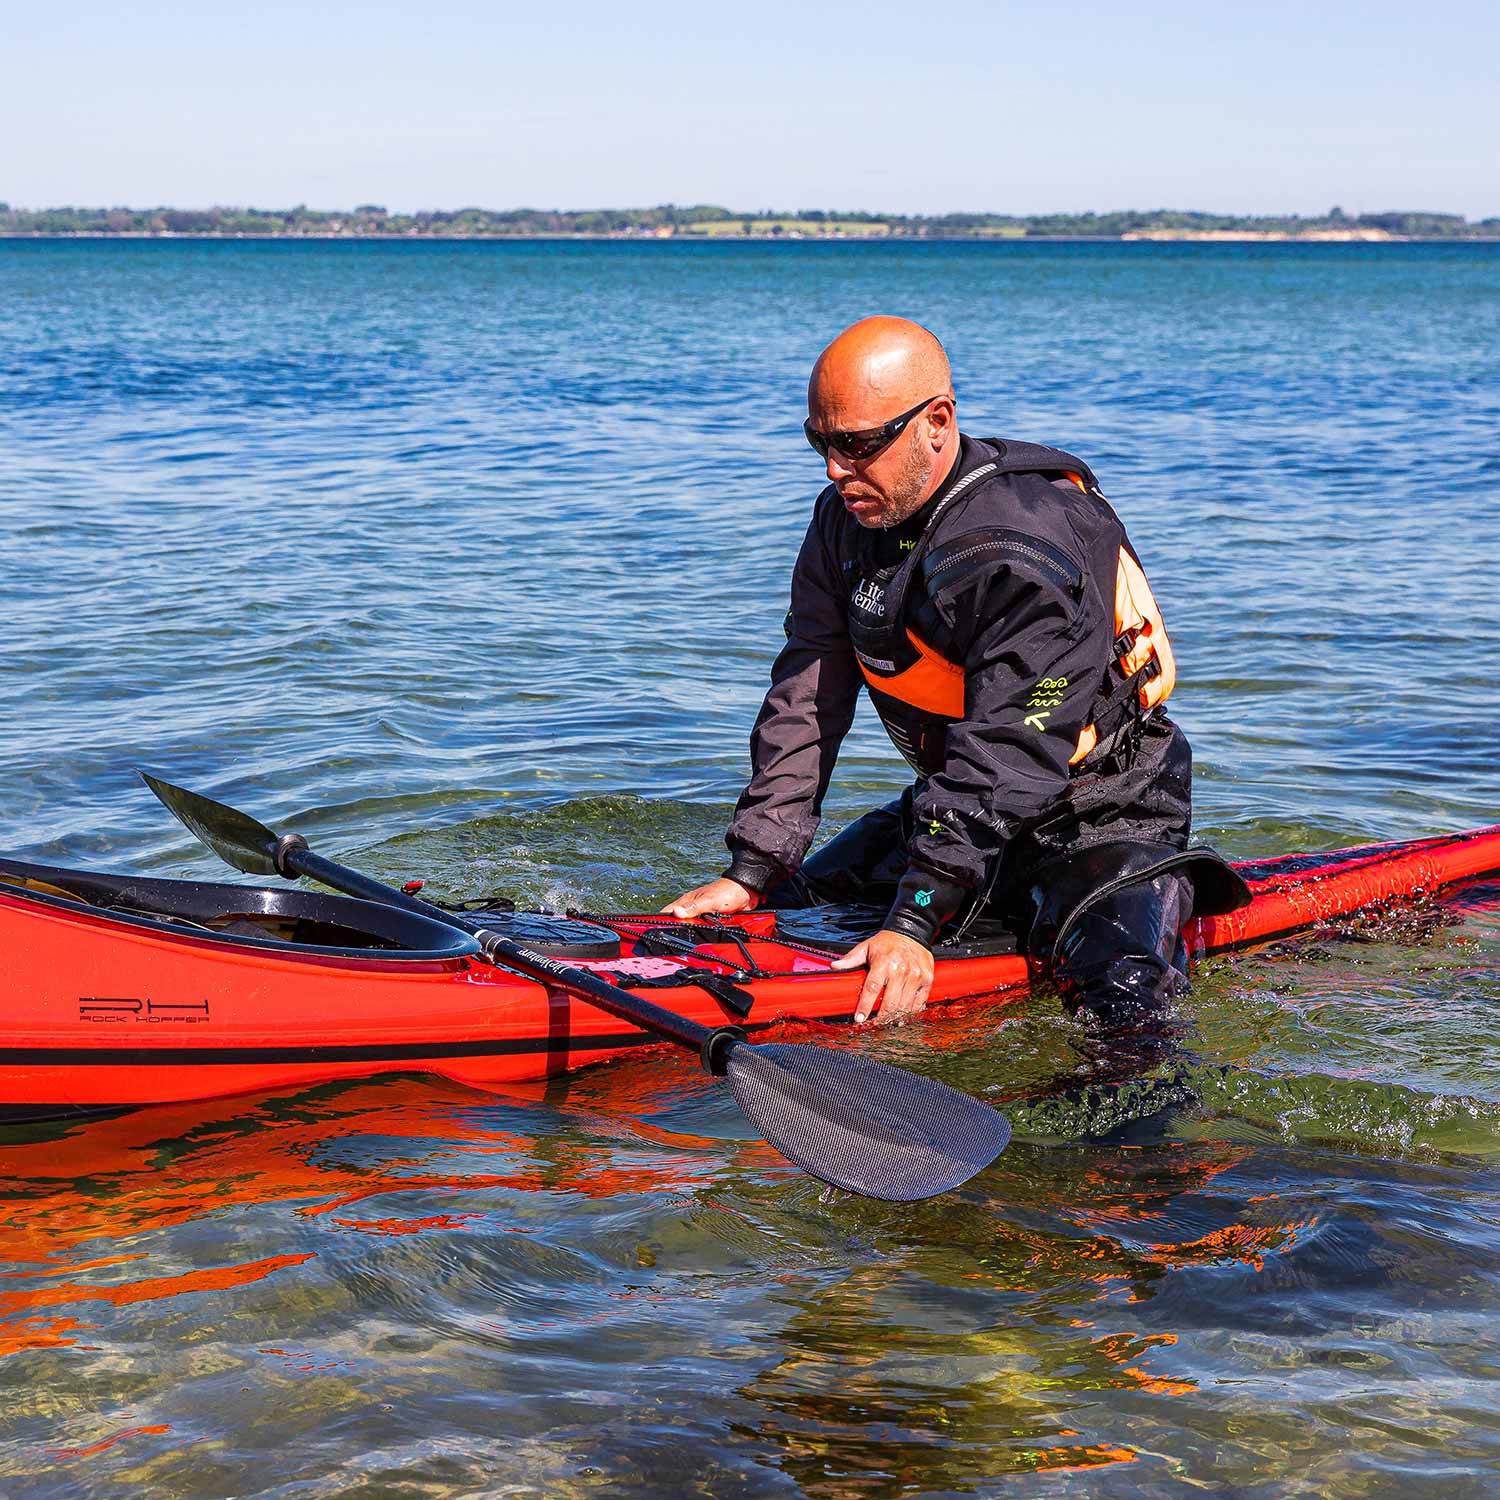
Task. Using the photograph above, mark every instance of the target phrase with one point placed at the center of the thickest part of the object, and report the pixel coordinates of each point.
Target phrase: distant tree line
(371, 220)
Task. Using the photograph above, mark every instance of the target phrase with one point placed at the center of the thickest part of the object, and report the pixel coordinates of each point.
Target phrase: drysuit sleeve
(1031, 673)
(815, 685)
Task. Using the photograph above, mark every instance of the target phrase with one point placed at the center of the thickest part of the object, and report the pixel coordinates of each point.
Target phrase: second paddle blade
(234, 836)
(863, 1126)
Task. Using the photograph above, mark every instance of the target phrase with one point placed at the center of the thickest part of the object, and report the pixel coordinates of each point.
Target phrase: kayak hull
(106, 1011)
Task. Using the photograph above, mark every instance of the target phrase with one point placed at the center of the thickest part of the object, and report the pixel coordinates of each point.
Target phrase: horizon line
(809, 215)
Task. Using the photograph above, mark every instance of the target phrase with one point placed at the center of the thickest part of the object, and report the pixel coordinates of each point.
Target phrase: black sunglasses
(862, 445)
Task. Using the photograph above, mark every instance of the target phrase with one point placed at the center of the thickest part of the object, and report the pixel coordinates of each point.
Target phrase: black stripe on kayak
(137, 1057)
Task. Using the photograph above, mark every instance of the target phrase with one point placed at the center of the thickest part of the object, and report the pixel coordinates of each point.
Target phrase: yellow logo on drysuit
(1045, 696)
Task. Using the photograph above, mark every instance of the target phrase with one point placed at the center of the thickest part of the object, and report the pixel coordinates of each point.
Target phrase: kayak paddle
(848, 1121)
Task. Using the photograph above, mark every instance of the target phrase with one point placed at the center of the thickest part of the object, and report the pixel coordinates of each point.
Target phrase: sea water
(469, 562)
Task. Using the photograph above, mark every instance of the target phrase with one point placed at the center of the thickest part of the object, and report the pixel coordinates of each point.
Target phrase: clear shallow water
(469, 560)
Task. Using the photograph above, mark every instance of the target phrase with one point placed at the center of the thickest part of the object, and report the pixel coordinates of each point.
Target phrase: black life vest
(918, 691)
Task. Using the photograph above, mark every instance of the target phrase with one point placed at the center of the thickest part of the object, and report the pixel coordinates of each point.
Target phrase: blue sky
(1014, 106)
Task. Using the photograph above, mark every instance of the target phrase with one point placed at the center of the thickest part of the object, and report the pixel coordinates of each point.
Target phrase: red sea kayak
(124, 991)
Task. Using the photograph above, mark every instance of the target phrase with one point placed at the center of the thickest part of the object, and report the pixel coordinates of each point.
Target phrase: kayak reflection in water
(986, 596)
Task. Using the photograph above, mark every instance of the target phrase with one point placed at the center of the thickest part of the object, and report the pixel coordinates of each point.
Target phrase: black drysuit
(985, 628)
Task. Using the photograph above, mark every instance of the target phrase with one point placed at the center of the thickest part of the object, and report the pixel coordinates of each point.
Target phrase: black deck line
(141, 1057)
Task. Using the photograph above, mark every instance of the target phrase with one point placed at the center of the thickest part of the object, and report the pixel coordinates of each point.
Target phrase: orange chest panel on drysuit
(903, 669)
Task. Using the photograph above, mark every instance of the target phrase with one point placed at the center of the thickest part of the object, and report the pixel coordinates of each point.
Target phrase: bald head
(876, 368)
(875, 371)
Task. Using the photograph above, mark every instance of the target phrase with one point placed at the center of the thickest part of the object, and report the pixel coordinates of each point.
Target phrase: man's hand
(900, 971)
(723, 896)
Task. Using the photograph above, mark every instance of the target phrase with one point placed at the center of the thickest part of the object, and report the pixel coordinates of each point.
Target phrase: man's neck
(942, 476)
(937, 482)
(893, 543)
(944, 471)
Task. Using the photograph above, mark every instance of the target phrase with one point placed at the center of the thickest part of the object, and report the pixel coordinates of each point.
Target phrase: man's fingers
(691, 904)
(910, 1001)
(906, 992)
(853, 958)
(897, 1003)
(900, 977)
(722, 895)
(869, 995)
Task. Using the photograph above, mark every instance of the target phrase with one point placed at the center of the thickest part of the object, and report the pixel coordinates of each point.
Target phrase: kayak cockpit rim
(280, 919)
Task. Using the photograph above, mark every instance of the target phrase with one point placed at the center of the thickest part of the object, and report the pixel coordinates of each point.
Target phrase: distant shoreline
(710, 221)
(1158, 237)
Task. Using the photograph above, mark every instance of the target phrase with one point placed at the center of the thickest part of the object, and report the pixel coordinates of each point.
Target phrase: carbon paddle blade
(862, 1126)
(234, 836)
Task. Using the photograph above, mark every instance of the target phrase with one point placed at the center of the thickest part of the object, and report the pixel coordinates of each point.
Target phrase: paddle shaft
(836, 1115)
(293, 857)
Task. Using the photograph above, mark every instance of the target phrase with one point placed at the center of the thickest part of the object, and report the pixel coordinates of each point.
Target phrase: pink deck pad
(657, 968)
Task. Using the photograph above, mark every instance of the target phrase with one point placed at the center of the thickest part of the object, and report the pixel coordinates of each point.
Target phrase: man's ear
(942, 418)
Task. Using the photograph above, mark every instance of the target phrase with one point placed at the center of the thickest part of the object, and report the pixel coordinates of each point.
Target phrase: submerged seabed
(468, 560)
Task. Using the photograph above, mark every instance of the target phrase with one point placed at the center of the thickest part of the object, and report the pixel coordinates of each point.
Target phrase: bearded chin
(913, 486)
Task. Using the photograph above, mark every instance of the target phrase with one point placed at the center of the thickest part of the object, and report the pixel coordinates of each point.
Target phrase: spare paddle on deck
(844, 1119)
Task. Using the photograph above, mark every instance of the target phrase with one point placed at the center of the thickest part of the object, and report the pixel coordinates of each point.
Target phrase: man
(987, 597)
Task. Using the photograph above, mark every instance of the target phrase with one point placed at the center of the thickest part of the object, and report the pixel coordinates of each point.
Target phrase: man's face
(884, 490)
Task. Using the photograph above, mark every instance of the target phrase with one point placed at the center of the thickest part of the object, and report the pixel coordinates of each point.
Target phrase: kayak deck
(124, 991)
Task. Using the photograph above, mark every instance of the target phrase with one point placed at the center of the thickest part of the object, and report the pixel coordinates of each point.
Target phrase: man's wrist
(924, 901)
(753, 871)
(919, 930)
